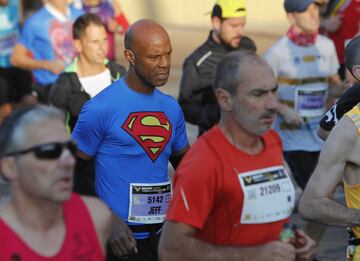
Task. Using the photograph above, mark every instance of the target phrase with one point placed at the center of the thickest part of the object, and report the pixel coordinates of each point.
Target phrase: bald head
(148, 51)
(143, 32)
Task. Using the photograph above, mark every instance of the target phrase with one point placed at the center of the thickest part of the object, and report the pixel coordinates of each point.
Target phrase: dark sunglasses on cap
(48, 150)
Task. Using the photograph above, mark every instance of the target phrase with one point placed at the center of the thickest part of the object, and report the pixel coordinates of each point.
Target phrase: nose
(272, 101)
(165, 61)
(67, 157)
(240, 30)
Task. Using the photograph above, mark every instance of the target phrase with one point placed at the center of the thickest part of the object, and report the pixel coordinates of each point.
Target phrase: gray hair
(13, 131)
(228, 74)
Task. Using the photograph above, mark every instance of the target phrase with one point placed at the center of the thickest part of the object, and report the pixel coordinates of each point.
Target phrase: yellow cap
(231, 8)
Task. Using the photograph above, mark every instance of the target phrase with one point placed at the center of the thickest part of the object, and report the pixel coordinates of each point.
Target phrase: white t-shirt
(96, 83)
(301, 73)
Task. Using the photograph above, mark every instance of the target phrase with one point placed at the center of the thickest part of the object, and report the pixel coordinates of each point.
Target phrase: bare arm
(21, 59)
(179, 243)
(336, 87)
(323, 134)
(317, 203)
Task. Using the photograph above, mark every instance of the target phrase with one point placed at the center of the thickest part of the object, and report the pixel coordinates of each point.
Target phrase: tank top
(80, 243)
(352, 192)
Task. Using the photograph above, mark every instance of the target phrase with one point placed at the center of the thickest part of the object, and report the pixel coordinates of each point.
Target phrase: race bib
(269, 195)
(149, 202)
(310, 102)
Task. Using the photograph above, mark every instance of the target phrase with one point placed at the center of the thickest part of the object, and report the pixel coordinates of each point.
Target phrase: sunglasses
(48, 151)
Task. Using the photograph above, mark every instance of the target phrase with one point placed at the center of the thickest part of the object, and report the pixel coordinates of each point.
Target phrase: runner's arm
(21, 58)
(317, 203)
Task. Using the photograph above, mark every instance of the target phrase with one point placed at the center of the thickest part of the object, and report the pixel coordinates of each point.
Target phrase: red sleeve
(195, 187)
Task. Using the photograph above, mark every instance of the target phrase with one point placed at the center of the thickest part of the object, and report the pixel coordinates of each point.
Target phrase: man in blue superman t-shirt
(132, 130)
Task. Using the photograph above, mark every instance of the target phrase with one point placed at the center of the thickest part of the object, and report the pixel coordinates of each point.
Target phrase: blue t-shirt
(9, 31)
(131, 135)
(47, 38)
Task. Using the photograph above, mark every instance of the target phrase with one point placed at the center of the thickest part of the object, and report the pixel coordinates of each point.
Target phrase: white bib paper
(310, 102)
(149, 202)
(269, 195)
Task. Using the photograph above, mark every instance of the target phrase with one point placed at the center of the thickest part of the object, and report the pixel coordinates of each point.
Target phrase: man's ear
(216, 23)
(8, 168)
(224, 99)
(291, 18)
(129, 56)
(77, 45)
(356, 71)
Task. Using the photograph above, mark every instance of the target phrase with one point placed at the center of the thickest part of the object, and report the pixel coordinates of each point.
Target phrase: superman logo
(152, 130)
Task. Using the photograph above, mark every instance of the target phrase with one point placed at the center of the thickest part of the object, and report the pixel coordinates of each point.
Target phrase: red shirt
(208, 178)
(80, 243)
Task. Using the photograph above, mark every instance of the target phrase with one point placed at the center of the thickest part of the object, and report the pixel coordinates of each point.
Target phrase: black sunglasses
(48, 151)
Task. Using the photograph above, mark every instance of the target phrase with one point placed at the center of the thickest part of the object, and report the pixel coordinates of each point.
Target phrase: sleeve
(181, 140)
(189, 100)
(273, 60)
(195, 188)
(196, 100)
(90, 129)
(27, 35)
(346, 102)
(59, 93)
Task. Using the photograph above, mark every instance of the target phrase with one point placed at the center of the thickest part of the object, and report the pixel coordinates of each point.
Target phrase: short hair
(128, 38)
(82, 22)
(228, 73)
(13, 131)
(352, 53)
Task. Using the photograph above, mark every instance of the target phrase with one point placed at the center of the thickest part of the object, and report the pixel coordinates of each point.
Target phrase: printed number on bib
(149, 202)
(310, 102)
(269, 195)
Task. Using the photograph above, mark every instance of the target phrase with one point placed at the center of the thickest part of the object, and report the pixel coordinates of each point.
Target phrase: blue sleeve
(181, 140)
(27, 34)
(89, 129)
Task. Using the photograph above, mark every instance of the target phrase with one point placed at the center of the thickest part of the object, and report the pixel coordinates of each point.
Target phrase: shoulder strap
(354, 116)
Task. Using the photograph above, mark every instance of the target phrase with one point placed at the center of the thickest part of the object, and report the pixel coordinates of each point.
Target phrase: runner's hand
(122, 242)
(291, 117)
(55, 67)
(305, 246)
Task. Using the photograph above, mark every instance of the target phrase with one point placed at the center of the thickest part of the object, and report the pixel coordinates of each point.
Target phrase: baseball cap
(297, 5)
(229, 8)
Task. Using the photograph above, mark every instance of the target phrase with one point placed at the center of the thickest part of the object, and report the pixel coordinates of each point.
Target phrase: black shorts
(302, 164)
(15, 83)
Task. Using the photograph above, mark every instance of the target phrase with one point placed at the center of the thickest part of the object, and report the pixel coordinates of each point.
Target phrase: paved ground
(184, 40)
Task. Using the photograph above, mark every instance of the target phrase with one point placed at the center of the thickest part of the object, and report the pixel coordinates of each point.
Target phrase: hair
(228, 74)
(352, 53)
(82, 22)
(128, 38)
(217, 12)
(13, 131)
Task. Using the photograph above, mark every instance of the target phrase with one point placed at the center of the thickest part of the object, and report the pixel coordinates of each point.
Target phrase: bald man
(132, 129)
